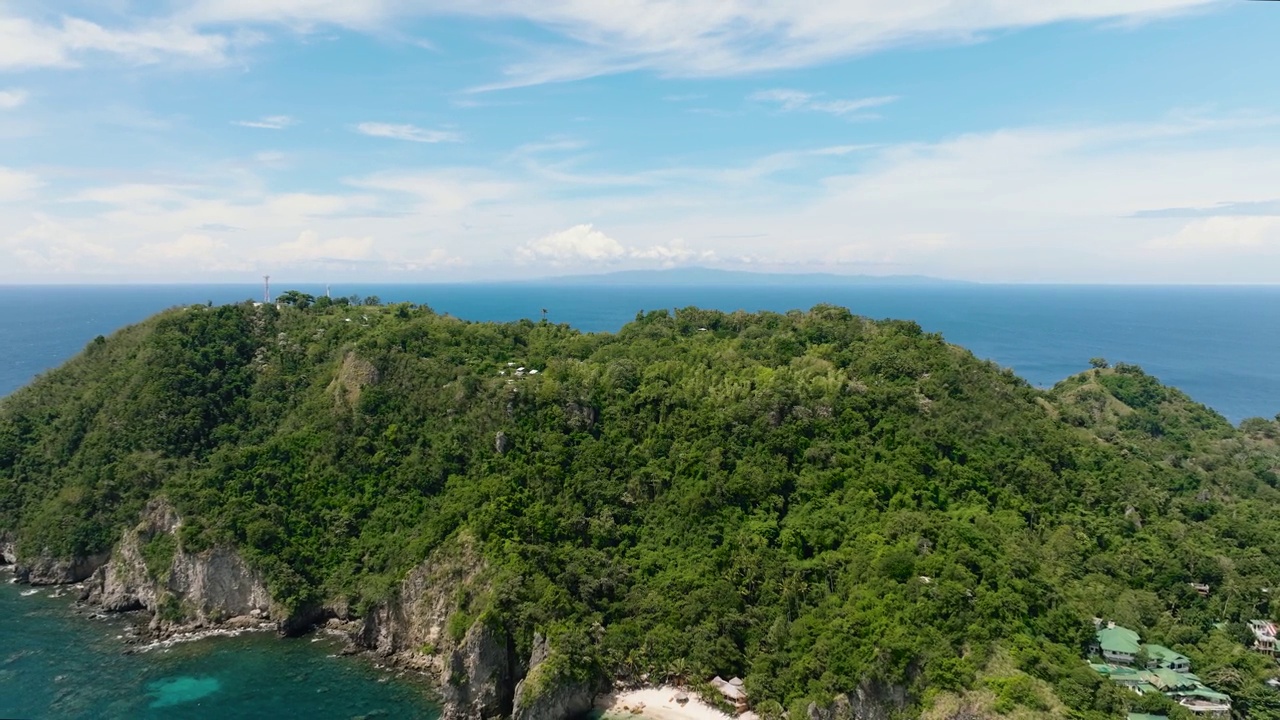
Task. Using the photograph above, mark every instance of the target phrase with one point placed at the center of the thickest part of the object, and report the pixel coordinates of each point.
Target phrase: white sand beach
(656, 704)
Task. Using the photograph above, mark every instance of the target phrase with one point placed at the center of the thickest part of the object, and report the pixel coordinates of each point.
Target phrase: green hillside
(812, 501)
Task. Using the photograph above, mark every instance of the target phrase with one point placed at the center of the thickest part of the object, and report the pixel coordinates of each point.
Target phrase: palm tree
(678, 671)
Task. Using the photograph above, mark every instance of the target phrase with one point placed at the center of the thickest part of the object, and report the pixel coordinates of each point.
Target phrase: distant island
(714, 277)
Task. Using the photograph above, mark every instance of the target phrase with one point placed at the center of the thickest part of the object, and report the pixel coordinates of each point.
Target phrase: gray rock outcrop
(189, 590)
(57, 571)
(870, 701)
(418, 627)
(8, 554)
(544, 695)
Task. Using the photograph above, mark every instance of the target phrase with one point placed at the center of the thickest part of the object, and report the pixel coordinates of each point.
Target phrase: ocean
(1218, 344)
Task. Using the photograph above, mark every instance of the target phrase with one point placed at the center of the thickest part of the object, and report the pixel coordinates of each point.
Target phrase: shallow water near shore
(55, 663)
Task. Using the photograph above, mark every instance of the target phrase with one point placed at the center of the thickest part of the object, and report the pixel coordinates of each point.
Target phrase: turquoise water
(55, 663)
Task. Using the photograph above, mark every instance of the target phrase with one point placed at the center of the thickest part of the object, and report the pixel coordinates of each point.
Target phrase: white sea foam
(204, 635)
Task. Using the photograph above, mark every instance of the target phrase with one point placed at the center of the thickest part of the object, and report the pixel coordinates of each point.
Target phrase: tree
(1099, 363)
(296, 299)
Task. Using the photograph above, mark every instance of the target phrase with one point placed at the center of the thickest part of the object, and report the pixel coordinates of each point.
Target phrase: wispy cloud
(412, 133)
(15, 184)
(270, 122)
(26, 43)
(692, 39)
(10, 99)
(1226, 209)
(789, 100)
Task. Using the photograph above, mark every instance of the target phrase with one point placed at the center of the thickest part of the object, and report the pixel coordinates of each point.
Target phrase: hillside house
(1167, 671)
(1264, 636)
(1162, 657)
(1205, 702)
(1117, 644)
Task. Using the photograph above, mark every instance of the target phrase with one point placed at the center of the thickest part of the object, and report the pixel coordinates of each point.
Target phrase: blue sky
(324, 140)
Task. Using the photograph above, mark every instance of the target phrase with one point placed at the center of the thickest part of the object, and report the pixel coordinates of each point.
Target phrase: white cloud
(191, 252)
(310, 247)
(736, 37)
(586, 245)
(53, 247)
(1020, 204)
(16, 185)
(676, 252)
(577, 244)
(407, 132)
(25, 43)
(433, 259)
(441, 192)
(793, 100)
(1223, 234)
(134, 194)
(299, 14)
(10, 99)
(694, 39)
(270, 122)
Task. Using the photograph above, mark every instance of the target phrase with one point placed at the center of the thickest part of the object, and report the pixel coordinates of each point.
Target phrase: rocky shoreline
(215, 593)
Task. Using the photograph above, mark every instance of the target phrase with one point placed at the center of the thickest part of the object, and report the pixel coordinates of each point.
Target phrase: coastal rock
(8, 554)
(53, 571)
(480, 682)
(418, 627)
(183, 590)
(217, 584)
(870, 701)
(543, 695)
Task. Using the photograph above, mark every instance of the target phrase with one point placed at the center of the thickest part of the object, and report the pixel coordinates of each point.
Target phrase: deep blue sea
(1220, 345)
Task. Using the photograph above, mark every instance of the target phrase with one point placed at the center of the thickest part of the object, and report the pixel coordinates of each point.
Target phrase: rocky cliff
(54, 571)
(547, 694)
(870, 701)
(150, 570)
(8, 554)
(434, 622)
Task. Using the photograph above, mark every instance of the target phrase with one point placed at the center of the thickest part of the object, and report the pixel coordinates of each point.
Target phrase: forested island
(854, 516)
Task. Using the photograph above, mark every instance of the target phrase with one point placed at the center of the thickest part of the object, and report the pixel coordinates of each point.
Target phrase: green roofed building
(1145, 716)
(1170, 681)
(1163, 657)
(1118, 644)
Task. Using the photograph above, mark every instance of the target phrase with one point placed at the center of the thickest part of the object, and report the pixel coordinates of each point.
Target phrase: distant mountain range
(700, 276)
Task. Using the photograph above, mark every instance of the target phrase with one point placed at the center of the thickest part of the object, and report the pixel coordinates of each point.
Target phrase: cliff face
(870, 701)
(149, 570)
(55, 571)
(544, 695)
(8, 554)
(419, 626)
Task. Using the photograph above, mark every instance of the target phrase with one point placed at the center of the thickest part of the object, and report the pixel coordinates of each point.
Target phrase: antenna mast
(266, 288)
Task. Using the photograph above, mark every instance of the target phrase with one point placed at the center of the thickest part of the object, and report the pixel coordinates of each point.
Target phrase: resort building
(1264, 636)
(1162, 657)
(1117, 644)
(1167, 671)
